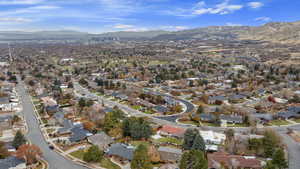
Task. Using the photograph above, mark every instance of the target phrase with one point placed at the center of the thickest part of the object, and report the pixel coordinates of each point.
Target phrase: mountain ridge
(279, 32)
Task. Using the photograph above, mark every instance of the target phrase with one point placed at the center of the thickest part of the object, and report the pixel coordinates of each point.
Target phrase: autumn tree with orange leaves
(30, 153)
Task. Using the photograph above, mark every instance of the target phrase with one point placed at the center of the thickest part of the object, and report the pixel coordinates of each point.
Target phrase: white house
(211, 137)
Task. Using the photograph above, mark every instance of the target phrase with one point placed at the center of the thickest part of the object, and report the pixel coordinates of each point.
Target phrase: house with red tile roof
(171, 131)
(220, 160)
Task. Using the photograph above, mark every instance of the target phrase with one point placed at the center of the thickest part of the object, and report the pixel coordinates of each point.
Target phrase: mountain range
(278, 32)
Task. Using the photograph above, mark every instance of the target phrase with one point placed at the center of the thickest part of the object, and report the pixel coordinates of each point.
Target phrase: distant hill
(42, 35)
(283, 32)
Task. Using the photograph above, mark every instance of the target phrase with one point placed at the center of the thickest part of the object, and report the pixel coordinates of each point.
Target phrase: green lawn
(237, 125)
(278, 123)
(170, 140)
(78, 154)
(136, 107)
(137, 143)
(210, 124)
(148, 112)
(189, 122)
(106, 163)
(297, 120)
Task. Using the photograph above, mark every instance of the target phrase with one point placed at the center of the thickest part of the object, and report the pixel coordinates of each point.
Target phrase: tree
(30, 153)
(82, 102)
(153, 154)
(278, 159)
(198, 143)
(82, 81)
(137, 128)
(193, 140)
(271, 141)
(19, 140)
(3, 151)
(200, 109)
(141, 158)
(93, 154)
(193, 159)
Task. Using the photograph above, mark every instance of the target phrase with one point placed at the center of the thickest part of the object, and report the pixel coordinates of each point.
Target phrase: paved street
(293, 151)
(55, 160)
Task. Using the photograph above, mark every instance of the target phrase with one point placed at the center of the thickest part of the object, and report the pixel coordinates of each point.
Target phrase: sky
(98, 16)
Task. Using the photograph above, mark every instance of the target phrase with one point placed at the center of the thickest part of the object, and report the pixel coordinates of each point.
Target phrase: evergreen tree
(141, 159)
(199, 143)
(19, 140)
(93, 154)
(193, 159)
(200, 109)
(278, 159)
(193, 140)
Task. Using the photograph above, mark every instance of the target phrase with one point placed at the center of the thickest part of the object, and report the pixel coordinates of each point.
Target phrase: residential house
(236, 98)
(170, 101)
(6, 105)
(262, 117)
(219, 160)
(101, 139)
(5, 122)
(287, 115)
(216, 99)
(234, 119)
(169, 166)
(169, 154)
(171, 131)
(79, 133)
(122, 151)
(12, 162)
(160, 109)
(211, 137)
(207, 117)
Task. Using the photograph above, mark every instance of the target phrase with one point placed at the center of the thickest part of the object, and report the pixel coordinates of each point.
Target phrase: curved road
(34, 134)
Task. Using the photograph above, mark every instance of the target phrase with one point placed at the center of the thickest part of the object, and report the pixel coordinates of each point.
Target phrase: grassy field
(237, 125)
(136, 107)
(78, 154)
(278, 123)
(106, 163)
(170, 140)
(189, 122)
(137, 143)
(297, 120)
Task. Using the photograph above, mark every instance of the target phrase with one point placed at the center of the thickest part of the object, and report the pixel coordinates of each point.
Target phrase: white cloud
(233, 24)
(202, 8)
(34, 9)
(20, 2)
(122, 26)
(14, 20)
(255, 5)
(263, 19)
(174, 28)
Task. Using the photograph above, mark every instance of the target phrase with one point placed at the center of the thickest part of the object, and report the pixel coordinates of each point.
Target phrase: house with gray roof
(102, 140)
(79, 134)
(169, 154)
(123, 151)
(12, 163)
(235, 119)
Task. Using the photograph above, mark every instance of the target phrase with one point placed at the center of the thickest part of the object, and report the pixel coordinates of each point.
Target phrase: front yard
(170, 140)
(278, 123)
(105, 162)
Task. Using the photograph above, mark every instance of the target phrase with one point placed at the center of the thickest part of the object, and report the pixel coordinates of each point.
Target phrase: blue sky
(97, 16)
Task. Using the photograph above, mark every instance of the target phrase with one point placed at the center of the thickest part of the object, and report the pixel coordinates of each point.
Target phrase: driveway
(35, 136)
